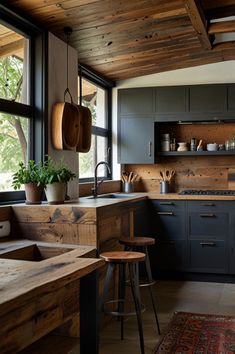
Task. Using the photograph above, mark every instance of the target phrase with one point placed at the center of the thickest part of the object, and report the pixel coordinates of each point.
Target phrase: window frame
(107, 85)
(35, 111)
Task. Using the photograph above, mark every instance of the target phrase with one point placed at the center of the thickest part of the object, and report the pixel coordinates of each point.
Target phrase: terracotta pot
(33, 193)
(56, 192)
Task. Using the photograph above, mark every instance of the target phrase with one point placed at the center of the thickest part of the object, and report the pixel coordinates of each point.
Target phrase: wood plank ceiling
(121, 39)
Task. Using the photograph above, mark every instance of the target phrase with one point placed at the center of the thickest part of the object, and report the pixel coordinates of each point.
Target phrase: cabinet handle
(150, 148)
(207, 243)
(166, 203)
(170, 213)
(207, 215)
(208, 204)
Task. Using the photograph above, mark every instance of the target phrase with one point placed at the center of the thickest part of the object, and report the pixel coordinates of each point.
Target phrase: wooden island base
(37, 297)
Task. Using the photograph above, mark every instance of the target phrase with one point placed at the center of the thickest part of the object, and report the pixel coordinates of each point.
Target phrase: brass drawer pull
(169, 213)
(207, 243)
(207, 215)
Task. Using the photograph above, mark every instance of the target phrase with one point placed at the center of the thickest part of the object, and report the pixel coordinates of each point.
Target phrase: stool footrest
(145, 284)
(122, 303)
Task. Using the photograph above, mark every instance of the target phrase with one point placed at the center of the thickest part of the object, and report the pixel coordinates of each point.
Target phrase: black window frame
(35, 111)
(107, 85)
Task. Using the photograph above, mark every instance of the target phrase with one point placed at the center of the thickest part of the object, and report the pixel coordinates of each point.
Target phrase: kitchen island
(38, 296)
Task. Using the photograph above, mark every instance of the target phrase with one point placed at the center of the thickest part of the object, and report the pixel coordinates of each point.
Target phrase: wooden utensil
(199, 145)
(162, 175)
(84, 141)
(65, 125)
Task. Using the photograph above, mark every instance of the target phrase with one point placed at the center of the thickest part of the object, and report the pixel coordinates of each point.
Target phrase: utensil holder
(128, 187)
(164, 187)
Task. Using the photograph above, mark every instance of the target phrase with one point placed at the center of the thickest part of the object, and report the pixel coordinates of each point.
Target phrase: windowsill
(106, 187)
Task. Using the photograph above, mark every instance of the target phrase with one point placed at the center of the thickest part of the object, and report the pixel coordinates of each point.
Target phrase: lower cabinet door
(208, 256)
(170, 255)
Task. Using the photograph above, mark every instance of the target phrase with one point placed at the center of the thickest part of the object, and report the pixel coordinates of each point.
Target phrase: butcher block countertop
(137, 196)
(38, 296)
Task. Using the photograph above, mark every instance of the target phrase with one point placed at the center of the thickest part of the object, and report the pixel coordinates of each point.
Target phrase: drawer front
(168, 205)
(210, 206)
(208, 224)
(169, 255)
(168, 218)
(208, 256)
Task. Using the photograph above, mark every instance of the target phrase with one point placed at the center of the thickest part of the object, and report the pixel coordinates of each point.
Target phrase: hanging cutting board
(84, 141)
(65, 125)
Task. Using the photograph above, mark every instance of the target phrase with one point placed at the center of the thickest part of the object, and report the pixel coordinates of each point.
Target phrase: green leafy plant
(30, 173)
(56, 171)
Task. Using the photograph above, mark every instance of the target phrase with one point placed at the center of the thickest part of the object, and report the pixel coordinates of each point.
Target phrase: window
(96, 95)
(21, 100)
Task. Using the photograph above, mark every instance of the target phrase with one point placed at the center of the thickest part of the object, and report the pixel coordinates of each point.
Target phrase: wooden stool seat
(137, 241)
(121, 260)
(123, 257)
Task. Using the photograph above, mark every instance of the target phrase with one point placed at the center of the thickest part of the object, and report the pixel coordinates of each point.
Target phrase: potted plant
(31, 176)
(56, 175)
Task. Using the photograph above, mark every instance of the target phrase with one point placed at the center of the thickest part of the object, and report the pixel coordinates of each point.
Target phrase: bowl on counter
(212, 147)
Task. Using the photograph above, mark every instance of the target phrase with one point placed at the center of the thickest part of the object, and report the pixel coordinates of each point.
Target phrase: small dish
(212, 147)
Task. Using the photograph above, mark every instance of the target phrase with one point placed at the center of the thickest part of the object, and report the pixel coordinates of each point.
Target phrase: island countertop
(37, 297)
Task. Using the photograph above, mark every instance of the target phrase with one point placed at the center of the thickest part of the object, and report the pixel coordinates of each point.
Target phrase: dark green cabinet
(208, 235)
(231, 98)
(136, 140)
(193, 236)
(140, 108)
(168, 227)
(171, 100)
(208, 99)
(136, 101)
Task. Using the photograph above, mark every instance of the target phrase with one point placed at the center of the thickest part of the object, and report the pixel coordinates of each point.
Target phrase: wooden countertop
(38, 296)
(87, 202)
(21, 280)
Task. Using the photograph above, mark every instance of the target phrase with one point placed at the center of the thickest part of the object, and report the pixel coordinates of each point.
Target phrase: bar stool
(141, 244)
(121, 259)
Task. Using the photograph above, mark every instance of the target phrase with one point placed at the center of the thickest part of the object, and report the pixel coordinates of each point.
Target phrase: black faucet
(96, 184)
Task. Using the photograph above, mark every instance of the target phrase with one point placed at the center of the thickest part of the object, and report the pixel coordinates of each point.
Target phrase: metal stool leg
(150, 280)
(121, 294)
(134, 281)
(107, 281)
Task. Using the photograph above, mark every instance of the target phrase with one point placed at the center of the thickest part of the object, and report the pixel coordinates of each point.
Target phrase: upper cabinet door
(231, 98)
(208, 98)
(136, 140)
(136, 101)
(172, 99)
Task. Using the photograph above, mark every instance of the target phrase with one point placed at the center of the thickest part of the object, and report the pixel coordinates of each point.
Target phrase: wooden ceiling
(127, 38)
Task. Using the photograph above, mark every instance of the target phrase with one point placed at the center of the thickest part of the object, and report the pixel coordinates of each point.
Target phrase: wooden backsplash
(199, 172)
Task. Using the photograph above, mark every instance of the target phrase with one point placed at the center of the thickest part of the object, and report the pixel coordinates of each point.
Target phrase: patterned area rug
(193, 333)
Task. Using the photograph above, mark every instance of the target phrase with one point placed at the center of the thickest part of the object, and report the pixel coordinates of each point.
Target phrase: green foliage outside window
(13, 129)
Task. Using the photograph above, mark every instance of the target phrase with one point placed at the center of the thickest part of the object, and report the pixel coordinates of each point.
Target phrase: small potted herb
(56, 175)
(31, 176)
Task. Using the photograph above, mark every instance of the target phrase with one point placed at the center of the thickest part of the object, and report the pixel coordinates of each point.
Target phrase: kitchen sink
(34, 253)
(113, 196)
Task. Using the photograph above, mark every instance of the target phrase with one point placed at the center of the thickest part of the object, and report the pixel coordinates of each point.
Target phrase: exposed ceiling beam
(222, 27)
(11, 48)
(220, 12)
(198, 21)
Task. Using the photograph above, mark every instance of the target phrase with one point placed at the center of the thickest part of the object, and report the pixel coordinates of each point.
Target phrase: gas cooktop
(207, 192)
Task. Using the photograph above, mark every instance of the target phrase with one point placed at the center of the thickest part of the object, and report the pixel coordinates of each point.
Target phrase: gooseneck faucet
(96, 184)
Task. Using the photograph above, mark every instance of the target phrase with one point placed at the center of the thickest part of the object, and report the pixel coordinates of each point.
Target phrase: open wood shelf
(195, 153)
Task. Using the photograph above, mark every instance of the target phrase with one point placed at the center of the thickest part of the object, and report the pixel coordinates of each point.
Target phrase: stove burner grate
(207, 192)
